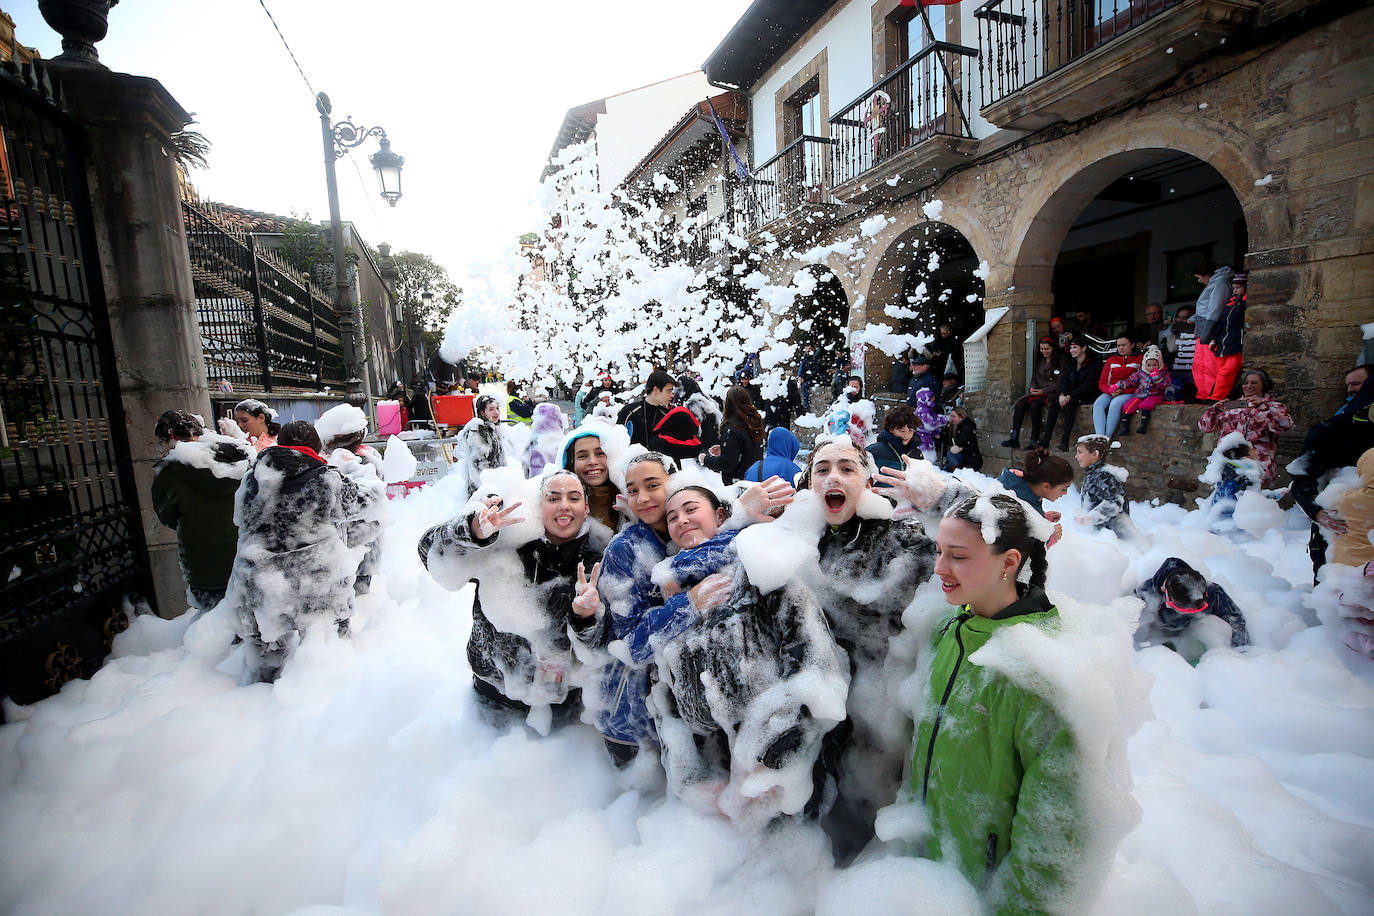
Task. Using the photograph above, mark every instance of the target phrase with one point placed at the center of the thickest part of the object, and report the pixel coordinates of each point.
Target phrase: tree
(419, 273)
(189, 147)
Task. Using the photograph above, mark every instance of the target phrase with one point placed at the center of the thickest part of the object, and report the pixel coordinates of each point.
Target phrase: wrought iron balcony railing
(1023, 40)
(919, 100)
(797, 176)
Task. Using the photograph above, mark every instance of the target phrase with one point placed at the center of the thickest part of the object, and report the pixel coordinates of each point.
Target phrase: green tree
(305, 244)
(420, 273)
(189, 147)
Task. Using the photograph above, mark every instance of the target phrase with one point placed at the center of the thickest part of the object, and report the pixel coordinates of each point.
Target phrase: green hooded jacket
(998, 770)
(198, 503)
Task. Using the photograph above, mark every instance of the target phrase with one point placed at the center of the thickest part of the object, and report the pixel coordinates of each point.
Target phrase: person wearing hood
(705, 408)
(1177, 595)
(547, 428)
(193, 494)
(779, 460)
(303, 530)
(1147, 387)
(525, 663)
(1216, 292)
(480, 445)
(584, 453)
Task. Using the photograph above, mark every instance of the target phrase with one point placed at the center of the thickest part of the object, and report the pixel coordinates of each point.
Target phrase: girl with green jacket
(994, 764)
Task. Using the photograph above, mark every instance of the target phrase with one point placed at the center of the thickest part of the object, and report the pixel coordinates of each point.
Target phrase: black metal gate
(71, 544)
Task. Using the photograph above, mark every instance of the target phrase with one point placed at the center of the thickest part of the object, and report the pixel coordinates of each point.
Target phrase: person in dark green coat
(193, 493)
(994, 764)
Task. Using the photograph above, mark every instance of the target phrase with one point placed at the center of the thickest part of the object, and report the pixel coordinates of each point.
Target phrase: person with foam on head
(994, 764)
(596, 453)
(1177, 595)
(254, 420)
(480, 445)
(304, 528)
(616, 638)
(527, 576)
(868, 567)
(342, 429)
(750, 681)
(193, 493)
(1103, 490)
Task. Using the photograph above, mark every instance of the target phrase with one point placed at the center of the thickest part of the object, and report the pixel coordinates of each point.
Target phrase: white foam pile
(364, 781)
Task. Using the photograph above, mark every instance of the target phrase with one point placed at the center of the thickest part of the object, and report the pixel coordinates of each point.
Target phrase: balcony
(909, 127)
(797, 177)
(1045, 61)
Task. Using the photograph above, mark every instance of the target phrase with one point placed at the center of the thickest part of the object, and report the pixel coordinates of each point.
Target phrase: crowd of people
(721, 606)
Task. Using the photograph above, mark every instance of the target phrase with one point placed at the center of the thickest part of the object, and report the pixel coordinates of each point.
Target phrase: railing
(917, 101)
(699, 248)
(1023, 40)
(262, 325)
(797, 176)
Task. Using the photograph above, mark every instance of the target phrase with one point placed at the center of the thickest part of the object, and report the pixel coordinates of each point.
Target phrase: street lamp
(339, 139)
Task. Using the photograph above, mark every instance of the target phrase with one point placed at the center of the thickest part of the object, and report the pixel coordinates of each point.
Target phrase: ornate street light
(339, 139)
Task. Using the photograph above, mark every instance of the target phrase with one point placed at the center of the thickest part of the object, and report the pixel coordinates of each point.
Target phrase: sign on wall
(976, 351)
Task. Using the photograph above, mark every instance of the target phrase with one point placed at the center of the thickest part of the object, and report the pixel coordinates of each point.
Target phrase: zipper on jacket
(940, 713)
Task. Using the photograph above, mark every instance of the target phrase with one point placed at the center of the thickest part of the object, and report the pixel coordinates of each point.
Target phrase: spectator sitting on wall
(1146, 334)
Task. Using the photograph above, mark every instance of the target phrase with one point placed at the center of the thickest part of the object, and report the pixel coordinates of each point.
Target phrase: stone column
(141, 245)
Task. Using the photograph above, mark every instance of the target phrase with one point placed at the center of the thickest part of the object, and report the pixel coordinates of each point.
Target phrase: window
(804, 113)
(910, 35)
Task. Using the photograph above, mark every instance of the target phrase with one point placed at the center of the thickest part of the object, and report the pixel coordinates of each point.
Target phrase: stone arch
(1052, 203)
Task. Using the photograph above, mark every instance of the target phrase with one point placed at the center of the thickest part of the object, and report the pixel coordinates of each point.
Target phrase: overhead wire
(287, 45)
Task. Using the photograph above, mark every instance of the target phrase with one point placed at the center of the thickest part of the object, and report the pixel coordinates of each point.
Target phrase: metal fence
(1023, 40)
(912, 104)
(71, 545)
(263, 326)
(798, 175)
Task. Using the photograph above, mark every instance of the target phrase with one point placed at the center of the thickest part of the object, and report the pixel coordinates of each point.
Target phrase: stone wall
(1297, 106)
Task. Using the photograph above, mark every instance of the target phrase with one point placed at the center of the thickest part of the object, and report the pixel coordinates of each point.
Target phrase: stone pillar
(141, 244)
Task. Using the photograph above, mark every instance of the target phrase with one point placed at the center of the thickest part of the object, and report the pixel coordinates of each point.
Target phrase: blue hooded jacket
(780, 460)
(1021, 490)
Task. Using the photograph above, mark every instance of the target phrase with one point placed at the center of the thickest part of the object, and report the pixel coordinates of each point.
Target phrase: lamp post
(339, 139)
(428, 298)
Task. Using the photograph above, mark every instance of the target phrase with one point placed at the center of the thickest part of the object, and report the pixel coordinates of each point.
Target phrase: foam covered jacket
(1103, 495)
(995, 767)
(1219, 604)
(198, 504)
(296, 516)
(629, 594)
(718, 668)
(496, 656)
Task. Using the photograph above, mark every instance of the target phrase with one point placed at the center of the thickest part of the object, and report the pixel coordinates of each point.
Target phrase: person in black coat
(1077, 386)
(519, 650)
(963, 450)
(741, 438)
(1178, 595)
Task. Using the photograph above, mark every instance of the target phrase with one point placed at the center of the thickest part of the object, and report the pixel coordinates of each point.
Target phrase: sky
(471, 94)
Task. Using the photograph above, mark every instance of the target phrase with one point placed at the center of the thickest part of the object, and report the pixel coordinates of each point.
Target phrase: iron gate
(71, 544)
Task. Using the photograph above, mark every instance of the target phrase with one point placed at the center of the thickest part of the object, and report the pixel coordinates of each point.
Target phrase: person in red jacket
(1117, 369)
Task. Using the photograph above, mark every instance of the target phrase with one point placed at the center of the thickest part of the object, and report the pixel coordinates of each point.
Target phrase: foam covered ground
(364, 782)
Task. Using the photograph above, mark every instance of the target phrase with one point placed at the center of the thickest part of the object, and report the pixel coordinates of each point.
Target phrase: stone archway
(915, 295)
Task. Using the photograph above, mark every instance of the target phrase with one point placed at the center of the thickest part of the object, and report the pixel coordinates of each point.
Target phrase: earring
(1004, 577)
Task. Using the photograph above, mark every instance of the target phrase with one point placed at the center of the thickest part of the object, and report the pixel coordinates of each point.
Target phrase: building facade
(1054, 156)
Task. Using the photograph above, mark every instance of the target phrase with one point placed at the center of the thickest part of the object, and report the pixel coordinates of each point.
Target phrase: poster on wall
(976, 351)
(856, 358)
